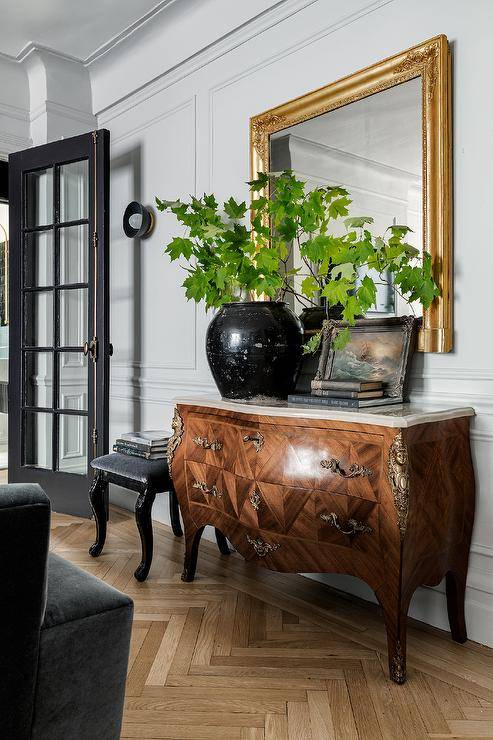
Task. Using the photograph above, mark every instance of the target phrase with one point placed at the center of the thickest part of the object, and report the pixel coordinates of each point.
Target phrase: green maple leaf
(367, 293)
(210, 201)
(309, 286)
(210, 231)
(267, 259)
(163, 205)
(258, 203)
(336, 291)
(351, 309)
(235, 210)
(313, 344)
(399, 231)
(355, 222)
(339, 207)
(259, 183)
(179, 247)
(341, 339)
(346, 271)
(221, 276)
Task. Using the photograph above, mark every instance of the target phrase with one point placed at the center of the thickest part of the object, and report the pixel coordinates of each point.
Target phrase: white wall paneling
(269, 60)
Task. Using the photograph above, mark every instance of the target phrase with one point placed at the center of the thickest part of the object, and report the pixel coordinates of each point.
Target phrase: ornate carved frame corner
(431, 62)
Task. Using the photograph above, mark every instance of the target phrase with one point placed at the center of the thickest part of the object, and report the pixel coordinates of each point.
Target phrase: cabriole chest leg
(455, 584)
(192, 542)
(395, 616)
(174, 511)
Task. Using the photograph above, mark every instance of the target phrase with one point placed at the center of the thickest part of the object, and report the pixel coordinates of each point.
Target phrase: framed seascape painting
(379, 349)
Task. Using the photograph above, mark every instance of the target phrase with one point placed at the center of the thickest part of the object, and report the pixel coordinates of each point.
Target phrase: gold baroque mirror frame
(430, 63)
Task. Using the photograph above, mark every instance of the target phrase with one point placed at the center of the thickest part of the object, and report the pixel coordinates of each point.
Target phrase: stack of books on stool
(345, 393)
(146, 445)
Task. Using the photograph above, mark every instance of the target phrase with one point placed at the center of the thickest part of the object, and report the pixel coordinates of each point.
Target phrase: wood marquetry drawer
(313, 515)
(290, 554)
(340, 461)
(348, 463)
(221, 443)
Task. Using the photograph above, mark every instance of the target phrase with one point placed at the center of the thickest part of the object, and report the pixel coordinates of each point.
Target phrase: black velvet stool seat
(147, 478)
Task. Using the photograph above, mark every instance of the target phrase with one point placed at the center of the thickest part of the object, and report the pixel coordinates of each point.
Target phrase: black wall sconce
(137, 221)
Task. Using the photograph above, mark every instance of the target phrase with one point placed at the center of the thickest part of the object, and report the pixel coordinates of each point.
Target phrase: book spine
(347, 394)
(324, 401)
(141, 446)
(343, 385)
(133, 453)
(334, 394)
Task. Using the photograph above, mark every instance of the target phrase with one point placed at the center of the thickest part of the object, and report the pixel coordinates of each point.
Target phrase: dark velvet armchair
(64, 634)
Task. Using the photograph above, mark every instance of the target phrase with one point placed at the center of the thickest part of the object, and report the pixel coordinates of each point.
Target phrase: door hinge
(95, 240)
(91, 348)
(94, 436)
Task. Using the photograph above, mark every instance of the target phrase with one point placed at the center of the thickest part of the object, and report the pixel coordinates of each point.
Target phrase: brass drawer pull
(257, 439)
(351, 528)
(203, 487)
(354, 470)
(204, 442)
(255, 500)
(262, 548)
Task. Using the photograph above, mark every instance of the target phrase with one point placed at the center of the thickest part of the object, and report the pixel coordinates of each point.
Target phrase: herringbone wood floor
(248, 654)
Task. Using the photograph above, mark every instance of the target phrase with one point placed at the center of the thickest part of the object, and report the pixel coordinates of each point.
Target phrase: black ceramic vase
(254, 351)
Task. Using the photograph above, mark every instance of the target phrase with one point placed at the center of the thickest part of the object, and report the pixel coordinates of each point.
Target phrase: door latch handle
(91, 348)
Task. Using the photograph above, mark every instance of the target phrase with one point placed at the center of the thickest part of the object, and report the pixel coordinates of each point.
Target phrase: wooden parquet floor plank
(246, 654)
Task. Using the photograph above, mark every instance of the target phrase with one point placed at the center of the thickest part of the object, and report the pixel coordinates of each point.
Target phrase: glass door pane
(55, 288)
(74, 247)
(74, 191)
(72, 444)
(73, 381)
(73, 317)
(39, 198)
(38, 435)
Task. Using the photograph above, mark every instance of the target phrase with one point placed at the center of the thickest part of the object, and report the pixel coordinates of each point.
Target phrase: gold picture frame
(431, 61)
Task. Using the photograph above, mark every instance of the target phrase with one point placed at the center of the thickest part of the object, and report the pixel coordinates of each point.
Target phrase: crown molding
(12, 111)
(59, 109)
(128, 31)
(237, 37)
(34, 46)
(10, 143)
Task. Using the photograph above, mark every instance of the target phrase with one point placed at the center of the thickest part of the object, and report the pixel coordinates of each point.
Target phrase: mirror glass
(374, 148)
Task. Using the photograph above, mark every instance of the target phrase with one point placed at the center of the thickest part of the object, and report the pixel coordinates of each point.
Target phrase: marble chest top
(398, 415)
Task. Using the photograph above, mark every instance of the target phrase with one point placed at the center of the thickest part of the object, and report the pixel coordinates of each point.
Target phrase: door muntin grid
(55, 288)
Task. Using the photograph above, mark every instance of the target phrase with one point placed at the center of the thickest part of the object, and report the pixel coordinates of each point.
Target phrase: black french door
(59, 316)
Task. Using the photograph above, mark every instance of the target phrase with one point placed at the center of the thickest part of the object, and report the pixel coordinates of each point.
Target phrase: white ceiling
(73, 27)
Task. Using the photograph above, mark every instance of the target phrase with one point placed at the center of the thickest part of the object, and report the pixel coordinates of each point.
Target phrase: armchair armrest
(24, 540)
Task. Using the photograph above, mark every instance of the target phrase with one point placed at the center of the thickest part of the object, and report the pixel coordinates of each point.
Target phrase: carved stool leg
(222, 543)
(174, 511)
(143, 508)
(455, 584)
(98, 506)
(192, 542)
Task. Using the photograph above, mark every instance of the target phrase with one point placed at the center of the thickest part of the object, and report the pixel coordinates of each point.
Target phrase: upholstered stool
(147, 478)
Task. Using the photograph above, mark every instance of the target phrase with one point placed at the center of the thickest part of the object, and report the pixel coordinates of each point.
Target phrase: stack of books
(346, 393)
(150, 445)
